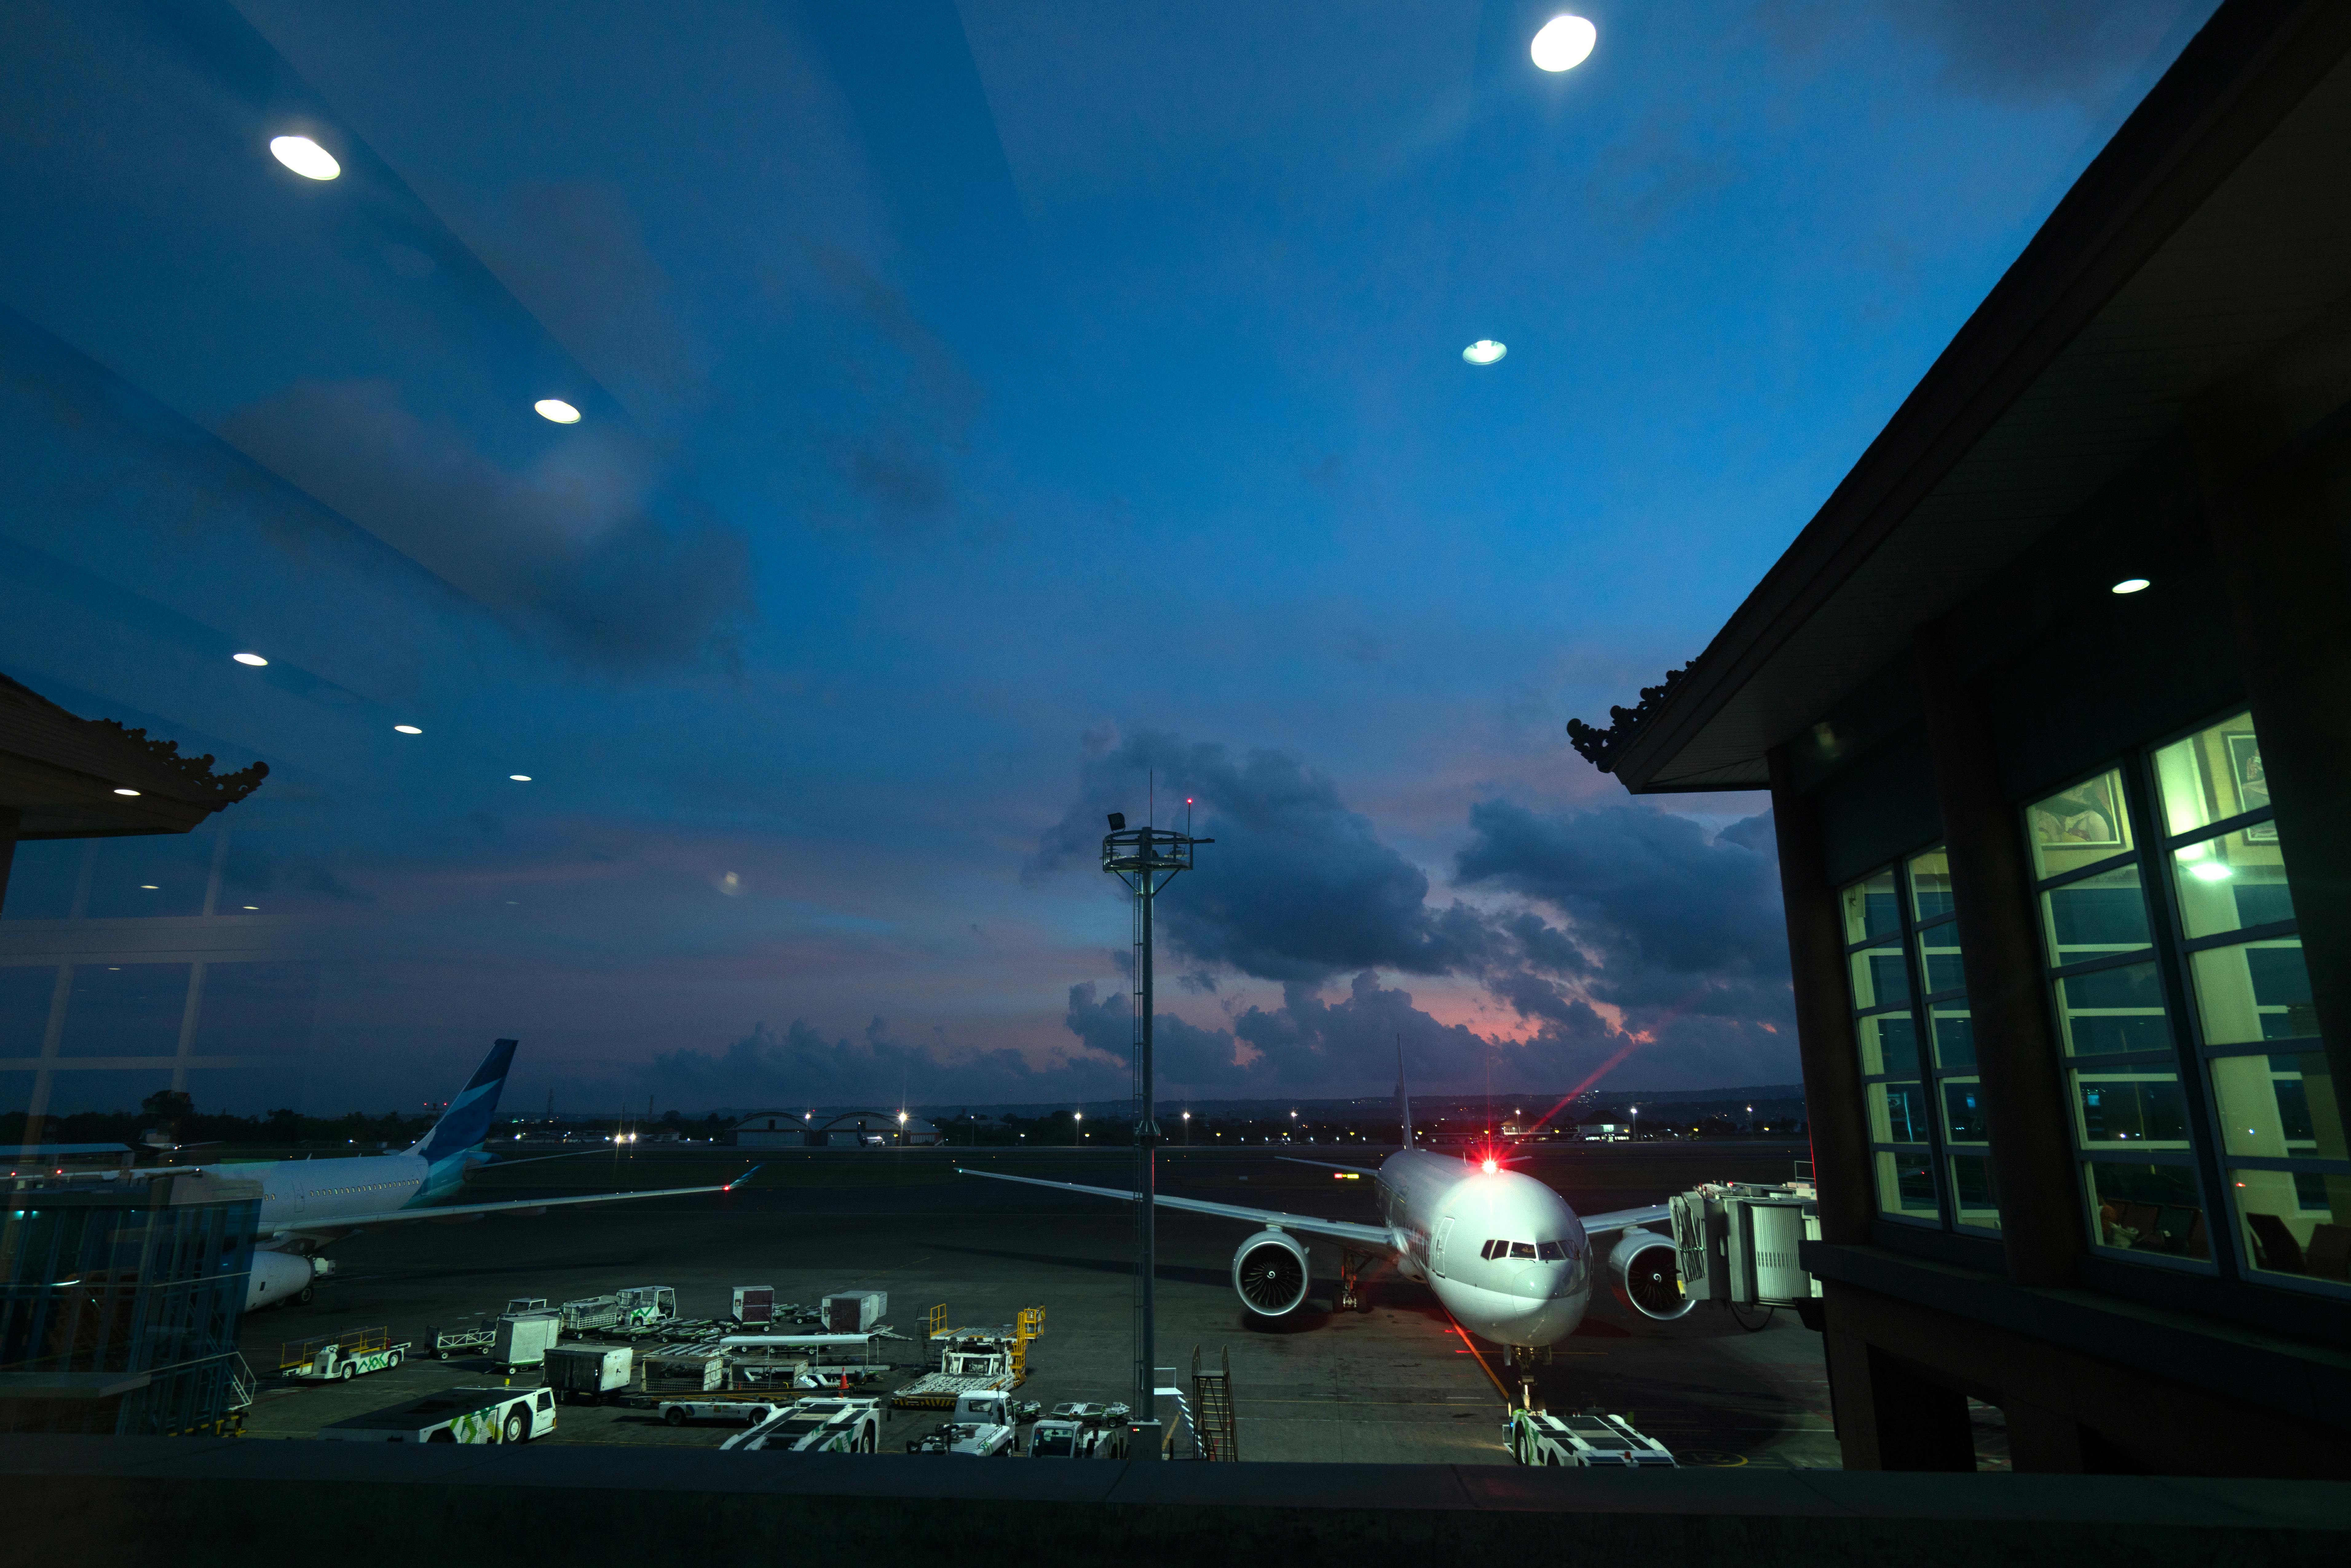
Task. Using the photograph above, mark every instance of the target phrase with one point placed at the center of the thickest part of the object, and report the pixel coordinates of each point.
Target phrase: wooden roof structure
(72, 778)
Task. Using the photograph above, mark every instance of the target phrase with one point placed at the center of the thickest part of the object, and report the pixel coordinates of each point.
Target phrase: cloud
(1296, 887)
(802, 1067)
(2030, 50)
(568, 552)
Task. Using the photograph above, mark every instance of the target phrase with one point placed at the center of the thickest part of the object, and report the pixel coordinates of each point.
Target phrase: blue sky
(986, 406)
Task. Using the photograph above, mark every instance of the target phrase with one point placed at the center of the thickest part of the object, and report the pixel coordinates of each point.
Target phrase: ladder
(1213, 1427)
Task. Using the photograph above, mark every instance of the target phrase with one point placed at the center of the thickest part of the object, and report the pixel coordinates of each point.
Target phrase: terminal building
(2053, 699)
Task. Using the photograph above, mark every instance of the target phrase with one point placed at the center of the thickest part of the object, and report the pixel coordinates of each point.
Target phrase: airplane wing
(1625, 1218)
(1327, 1165)
(527, 1205)
(1338, 1229)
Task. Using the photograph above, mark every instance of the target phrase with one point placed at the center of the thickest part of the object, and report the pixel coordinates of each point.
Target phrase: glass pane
(1870, 909)
(2232, 881)
(2211, 776)
(1939, 958)
(2255, 990)
(2278, 1105)
(1880, 977)
(1963, 1116)
(1930, 884)
(2143, 1110)
(1897, 1114)
(2296, 1222)
(1971, 1191)
(2096, 916)
(2147, 1208)
(1954, 1033)
(2078, 827)
(2110, 1011)
(1906, 1184)
(1889, 1043)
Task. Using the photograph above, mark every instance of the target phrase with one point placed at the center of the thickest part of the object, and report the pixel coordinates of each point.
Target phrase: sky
(993, 416)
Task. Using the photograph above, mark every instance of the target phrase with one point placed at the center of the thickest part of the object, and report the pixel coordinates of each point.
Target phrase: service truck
(338, 1358)
(841, 1425)
(1590, 1439)
(982, 1428)
(1059, 1440)
(455, 1415)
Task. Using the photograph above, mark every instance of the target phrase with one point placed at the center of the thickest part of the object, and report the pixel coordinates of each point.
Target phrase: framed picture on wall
(2083, 818)
(2252, 784)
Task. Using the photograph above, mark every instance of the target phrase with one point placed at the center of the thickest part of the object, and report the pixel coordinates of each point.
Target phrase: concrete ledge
(220, 1501)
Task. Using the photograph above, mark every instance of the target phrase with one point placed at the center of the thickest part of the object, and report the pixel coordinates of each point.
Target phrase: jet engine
(1645, 1275)
(1269, 1271)
(278, 1278)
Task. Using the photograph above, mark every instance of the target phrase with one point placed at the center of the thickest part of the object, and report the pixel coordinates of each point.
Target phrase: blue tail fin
(466, 1122)
(1404, 1098)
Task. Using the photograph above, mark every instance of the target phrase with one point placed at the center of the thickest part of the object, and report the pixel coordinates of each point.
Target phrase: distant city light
(556, 409)
(305, 157)
(1564, 43)
(256, 660)
(519, 777)
(2131, 585)
(1484, 352)
(126, 791)
(407, 729)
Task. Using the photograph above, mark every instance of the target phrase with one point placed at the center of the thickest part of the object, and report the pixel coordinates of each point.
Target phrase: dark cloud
(802, 1067)
(2026, 51)
(570, 552)
(1296, 887)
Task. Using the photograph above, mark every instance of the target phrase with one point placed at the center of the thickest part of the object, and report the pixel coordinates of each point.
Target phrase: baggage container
(523, 1339)
(754, 1304)
(854, 1312)
(585, 1374)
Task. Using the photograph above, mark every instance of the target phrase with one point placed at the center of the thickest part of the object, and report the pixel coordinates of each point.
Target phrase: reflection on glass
(2078, 827)
(2096, 916)
(1906, 1184)
(1897, 1114)
(2254, 991)
(2146, 1208)
(2278, 1105)
(1889, 1043)
(1870, 908)
(1930, 884)
(2296, 1222)
(2226, 883)
(1954, 1033)
(1939, 958)
(1880, 977)
(2110, 1011)
(1971, 1191)
(2145, 1108)
(2212, 775)
(1963, 1116)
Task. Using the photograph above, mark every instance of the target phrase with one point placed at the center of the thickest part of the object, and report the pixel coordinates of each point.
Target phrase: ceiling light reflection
(1484, 352)
(556, 409)
(1564, 43)
(305, 157)
(406, 729)
(256, 660)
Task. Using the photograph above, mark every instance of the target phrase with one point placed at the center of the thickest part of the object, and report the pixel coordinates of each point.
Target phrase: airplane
(308, 1204)
(1505, 1254)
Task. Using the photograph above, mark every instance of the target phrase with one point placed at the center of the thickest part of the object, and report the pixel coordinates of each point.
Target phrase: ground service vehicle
(340, 1358)
(455, 1415)
(1590, 1439)
(736, 1412)
(1056, 1439)
(523, 1339)
(982, 1428)
(1089, 1414)
(586, 1374)
(834, 1425)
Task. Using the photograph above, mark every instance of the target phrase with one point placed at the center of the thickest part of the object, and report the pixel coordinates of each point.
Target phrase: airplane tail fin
(466, 1122)
(1403, 1098)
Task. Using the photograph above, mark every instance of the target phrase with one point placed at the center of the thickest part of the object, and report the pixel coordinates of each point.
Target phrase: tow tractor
(982, 1428)
(338, 1358)
(841, 1425)
(455, 1415)
(1591, 1440)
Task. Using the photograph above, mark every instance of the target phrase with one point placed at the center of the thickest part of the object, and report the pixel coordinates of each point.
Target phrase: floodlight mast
(1146, 859)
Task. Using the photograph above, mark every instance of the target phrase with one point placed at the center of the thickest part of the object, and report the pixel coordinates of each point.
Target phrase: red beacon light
(1489, 1165)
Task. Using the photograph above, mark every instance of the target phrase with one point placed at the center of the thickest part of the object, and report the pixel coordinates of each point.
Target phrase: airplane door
(1437, 1244)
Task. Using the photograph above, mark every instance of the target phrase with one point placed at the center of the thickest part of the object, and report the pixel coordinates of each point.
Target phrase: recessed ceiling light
(256, 660)
(1484, 352)
(254, 907)
(407, 729)
(149, 887)
(2131, 585)
(519, 777)
(556, 409)
(305, 157)
(1564, 43)
(126, 791)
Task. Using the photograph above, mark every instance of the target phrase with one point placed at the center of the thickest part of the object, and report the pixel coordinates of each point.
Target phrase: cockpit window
(1554, 1250)
(1523, 1249)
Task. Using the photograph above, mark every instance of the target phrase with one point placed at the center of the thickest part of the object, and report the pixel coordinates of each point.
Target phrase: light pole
(1187, 1129)
(1146, 859)
(1077, 1122)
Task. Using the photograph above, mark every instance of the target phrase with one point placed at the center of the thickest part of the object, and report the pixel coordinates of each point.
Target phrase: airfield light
(1489, 1165)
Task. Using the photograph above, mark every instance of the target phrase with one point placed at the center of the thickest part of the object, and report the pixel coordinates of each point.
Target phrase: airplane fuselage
(1504, 1253)
(327, 1193)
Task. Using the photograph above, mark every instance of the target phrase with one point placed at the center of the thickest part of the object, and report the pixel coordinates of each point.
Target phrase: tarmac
(1394, 1383)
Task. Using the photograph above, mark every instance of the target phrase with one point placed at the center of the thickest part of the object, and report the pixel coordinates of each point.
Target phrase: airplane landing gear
(1351, 1298)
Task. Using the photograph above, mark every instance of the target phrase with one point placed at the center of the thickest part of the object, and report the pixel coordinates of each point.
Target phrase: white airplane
(1505, 1254)
(305, 1203)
